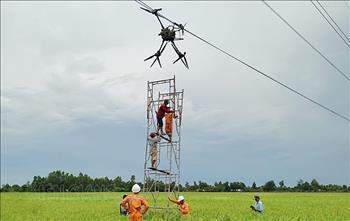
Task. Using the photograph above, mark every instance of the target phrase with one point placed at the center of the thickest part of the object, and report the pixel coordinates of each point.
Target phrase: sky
(73, 90)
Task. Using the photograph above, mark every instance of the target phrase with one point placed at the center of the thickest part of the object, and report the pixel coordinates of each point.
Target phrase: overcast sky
(73, 90)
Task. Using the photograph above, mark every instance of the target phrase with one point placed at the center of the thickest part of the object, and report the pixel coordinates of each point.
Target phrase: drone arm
(161, 51)
(154, 12)
(175, 48)
(146, 10)
(160, 48)
(161, 24)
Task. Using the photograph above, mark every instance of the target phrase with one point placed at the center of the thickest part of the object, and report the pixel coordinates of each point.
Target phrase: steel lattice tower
(167, 177)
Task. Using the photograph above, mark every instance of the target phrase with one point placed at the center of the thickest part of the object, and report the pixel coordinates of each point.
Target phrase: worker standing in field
(134, 203)
(258, 206)
(183, 206)
(160, 115)
(153, 140)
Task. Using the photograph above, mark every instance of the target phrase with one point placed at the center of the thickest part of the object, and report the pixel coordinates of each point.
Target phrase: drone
(168, 35)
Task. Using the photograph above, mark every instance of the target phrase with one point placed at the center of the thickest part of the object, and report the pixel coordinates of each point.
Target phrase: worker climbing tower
(163, 180)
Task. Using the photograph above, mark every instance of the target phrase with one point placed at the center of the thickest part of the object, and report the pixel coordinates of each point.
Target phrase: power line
(143, 4)
(257, 70)
(271, 78)
(345, 2)
(308, 42)
(330, 24)
(324, 9)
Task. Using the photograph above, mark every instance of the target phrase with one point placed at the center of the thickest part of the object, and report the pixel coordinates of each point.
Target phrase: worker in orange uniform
(160, 115)
(134, 203)
(183, 206)
(169, 124)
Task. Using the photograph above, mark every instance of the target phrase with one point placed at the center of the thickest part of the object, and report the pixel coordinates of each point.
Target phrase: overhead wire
(345, 2)
(324, 9)
(308, 42)
(255, 69)
(330, 23)
(143, 4)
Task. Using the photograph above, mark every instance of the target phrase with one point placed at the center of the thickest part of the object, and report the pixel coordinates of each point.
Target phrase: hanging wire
(324, 9)
(330, 24)
(308, 42)
(253, 68)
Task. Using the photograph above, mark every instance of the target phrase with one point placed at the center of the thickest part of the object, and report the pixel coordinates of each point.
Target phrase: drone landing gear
(157, 54)
(181, 55)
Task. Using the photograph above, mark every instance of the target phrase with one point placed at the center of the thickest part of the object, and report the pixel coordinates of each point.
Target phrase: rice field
(203, 207)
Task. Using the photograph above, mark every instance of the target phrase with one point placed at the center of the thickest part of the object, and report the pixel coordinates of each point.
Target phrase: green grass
(203, 207)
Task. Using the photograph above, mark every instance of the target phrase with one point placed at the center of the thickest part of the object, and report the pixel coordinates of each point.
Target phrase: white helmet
(180, 198)
(136, 188)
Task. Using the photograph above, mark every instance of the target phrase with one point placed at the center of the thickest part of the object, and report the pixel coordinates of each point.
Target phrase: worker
(134, 203)
(123, 210)
(169, 125)
(258, 207)
(183, 206)
(153, 140)
(161, 113)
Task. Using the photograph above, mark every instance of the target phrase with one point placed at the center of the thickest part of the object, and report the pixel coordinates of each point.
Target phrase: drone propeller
(181, 28)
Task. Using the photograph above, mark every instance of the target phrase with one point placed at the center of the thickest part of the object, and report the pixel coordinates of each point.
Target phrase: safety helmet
(136, 188)
(180, 198)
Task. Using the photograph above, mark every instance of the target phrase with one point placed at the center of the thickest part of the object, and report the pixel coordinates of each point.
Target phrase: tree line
(59, 181)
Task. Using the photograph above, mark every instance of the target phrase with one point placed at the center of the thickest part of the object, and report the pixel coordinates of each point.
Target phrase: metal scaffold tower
(163, 181)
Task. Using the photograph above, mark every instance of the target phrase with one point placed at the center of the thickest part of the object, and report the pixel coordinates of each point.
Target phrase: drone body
(168, 34)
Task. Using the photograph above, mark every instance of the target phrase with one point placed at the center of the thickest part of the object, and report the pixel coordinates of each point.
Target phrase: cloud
(67, 101)
(86, 65)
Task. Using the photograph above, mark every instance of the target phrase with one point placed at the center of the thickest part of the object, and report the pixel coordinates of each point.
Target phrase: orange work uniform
(169, 123)
(134, 203)
(183, 208)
